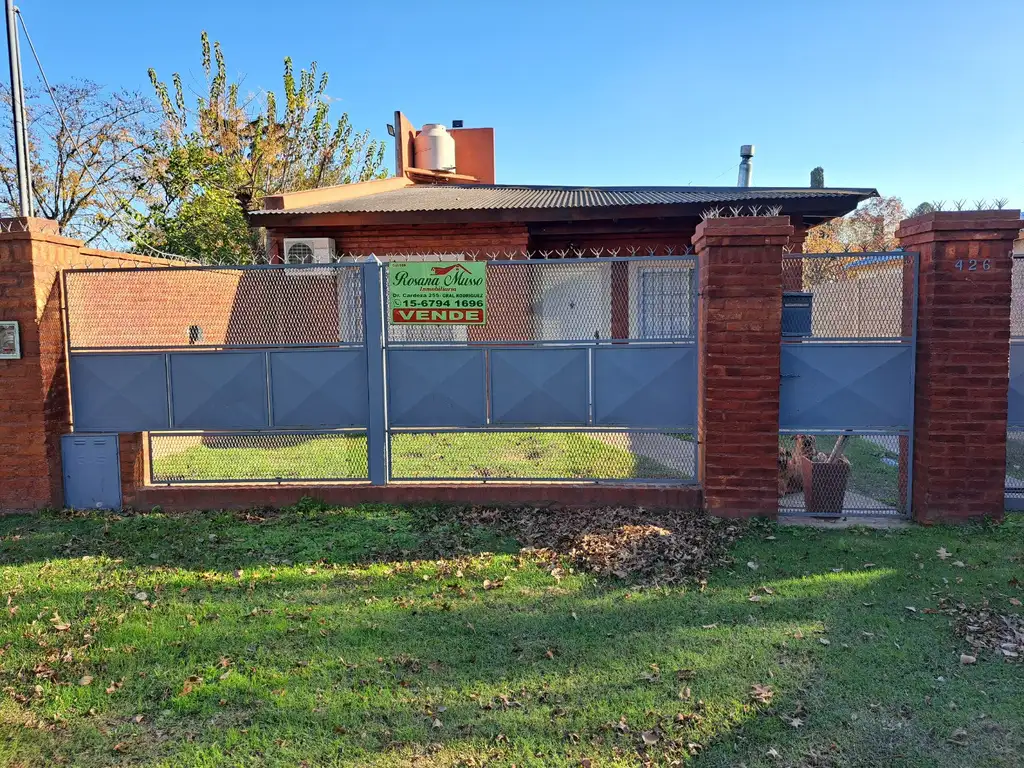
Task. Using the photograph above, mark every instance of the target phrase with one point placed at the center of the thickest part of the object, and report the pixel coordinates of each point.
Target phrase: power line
(730, 168)
(74, 144)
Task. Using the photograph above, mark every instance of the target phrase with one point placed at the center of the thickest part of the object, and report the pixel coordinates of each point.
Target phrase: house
(455, 207)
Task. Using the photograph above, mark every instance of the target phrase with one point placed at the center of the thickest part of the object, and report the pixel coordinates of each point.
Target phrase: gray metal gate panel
(119, 393)
(318, 388)
(1015, 415)
(92, 471)
(846, 386)
(219, 390)
(546, 386)
(436, 387)
(645, 386)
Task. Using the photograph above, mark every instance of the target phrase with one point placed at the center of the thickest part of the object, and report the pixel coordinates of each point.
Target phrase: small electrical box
(797, 309)
(92, 472)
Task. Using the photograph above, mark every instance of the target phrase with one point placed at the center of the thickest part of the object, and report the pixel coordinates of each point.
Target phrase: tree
(89, 175)
(221, 158)
(872, 227)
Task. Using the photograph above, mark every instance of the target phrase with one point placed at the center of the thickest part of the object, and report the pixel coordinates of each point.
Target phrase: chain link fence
(266, 457)
(147, 308)
(867, 475)
(855, 296)
(560, 455)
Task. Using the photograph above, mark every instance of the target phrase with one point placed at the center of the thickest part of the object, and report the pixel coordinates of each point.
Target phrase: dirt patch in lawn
(651, 547)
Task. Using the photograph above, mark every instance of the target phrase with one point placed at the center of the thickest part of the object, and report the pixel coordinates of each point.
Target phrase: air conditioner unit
(309, 250)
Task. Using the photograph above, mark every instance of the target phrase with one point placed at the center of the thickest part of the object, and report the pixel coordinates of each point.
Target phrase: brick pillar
(740, 334)
(33, 390)
(963, 331)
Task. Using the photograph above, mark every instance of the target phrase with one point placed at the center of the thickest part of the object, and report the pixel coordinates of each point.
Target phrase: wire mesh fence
(576, 455)
(1015, 465)
(200, 307)
(577, 300)
(209, 457)
(867, 474)
(556, 455)
(850, 296)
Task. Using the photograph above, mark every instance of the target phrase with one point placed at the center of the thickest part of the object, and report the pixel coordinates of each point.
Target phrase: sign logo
(438, 293)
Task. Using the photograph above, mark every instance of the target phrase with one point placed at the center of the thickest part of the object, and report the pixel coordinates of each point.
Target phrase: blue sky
(920, 99)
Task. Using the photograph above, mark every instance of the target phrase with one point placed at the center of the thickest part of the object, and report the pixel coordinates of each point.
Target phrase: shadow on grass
(305, 534)
(365, 671)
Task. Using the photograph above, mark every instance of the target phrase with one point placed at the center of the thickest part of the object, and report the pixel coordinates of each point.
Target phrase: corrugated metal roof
(470, 197)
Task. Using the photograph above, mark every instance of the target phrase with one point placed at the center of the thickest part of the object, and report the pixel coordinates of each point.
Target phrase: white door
(573, 302)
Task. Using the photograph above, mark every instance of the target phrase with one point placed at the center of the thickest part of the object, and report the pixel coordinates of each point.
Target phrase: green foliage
(219, 158)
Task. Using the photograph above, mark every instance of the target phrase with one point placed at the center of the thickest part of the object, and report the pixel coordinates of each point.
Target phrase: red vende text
(432, 316)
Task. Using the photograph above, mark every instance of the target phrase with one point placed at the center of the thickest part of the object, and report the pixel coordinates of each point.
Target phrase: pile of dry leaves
(653, 547)
(985, 629)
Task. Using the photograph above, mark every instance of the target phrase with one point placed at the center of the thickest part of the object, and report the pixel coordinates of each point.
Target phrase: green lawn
(455, 455)
(392, 637)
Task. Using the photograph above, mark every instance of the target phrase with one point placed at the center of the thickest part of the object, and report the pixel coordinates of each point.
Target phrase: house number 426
(971, 265)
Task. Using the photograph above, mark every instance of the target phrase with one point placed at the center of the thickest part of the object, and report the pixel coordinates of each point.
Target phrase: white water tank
(435, 148)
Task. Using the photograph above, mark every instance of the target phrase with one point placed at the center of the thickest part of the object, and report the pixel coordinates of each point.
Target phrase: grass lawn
(455, 455)
(342, 638)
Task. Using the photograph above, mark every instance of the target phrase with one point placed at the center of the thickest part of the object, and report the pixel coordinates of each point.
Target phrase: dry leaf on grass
(761, 693)
(653, 547)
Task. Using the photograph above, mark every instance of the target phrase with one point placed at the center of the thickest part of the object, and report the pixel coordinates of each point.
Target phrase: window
(665, 303)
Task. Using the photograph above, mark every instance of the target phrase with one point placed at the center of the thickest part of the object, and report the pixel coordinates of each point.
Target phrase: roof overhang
(812, 210)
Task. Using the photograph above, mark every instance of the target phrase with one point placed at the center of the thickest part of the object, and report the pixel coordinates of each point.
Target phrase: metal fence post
(377, 445)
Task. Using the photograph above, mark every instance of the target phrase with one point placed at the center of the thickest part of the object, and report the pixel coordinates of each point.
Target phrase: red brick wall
(554, 495)
(962, 362)
(738, 372)
(423, 238)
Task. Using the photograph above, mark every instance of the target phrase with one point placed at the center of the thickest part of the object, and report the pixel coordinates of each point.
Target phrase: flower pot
(824, 485)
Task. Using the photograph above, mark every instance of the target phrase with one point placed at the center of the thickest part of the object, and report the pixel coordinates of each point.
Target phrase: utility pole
(18, 107)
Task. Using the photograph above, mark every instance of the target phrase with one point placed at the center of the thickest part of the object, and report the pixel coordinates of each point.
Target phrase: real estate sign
(438, 292)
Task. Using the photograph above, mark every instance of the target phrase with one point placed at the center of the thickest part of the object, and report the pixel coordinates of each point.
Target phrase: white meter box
(10, 340)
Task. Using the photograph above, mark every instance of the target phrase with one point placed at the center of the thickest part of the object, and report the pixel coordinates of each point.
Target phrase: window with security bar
(665, 303)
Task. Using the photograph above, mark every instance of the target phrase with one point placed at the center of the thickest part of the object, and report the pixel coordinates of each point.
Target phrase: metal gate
(1014, 497)
(847, 367)
(585, 370)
